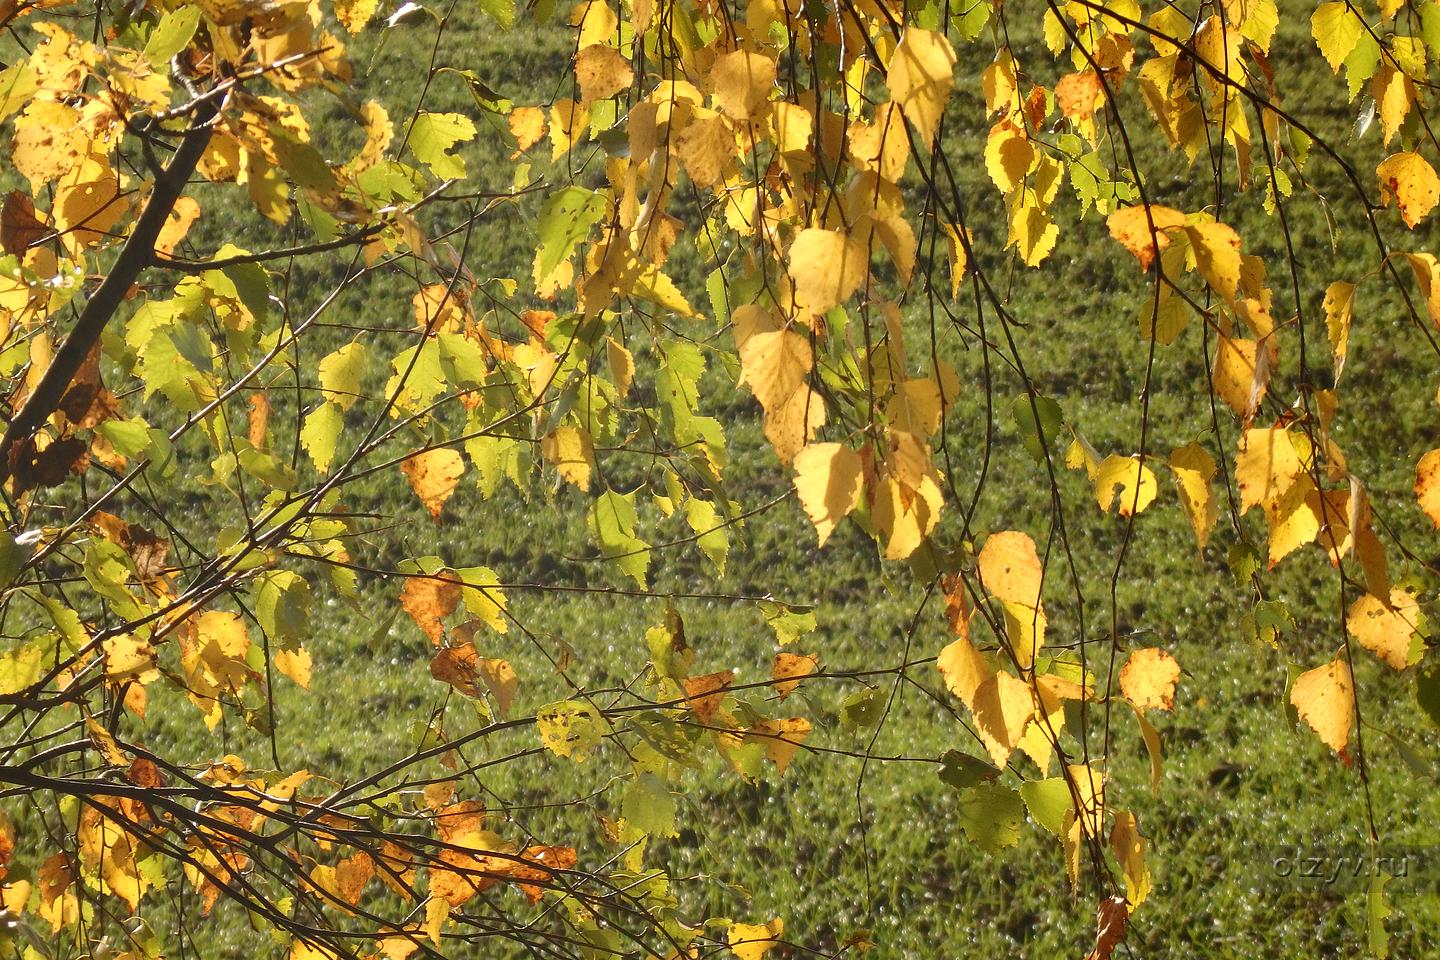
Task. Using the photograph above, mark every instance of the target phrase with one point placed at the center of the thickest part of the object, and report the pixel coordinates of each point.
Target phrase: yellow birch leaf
(49, 140)
(1266, 466)
(1241, 374)
(129, 659)
(379, 131)
(1003, 707)
(1033, 233)
(751, 941)
(1427, 485)
(434, 475)
(1008, 155)
(826, 266)
(1394, 92)
(1339, 307)
(527, 126)
(295, 664)
(354, 14)
(1129, 849)
(1336, 30)
(1410, 180)
(828, 480)
(177, 224)
(1078, 94)
(964, 669)
(919, 76)
(1151, 736)
(1291, 518)
(1194, 468)
(707, 147)
(340, 375)
(568, 121)
(789, 669)
(1010, 568)
(741, 82)
(1386, 632)
(1325, 699)
(1132, 228)
(1427, 273)
(790, 427)
(622, 365)
(1135, 481)
(1217, 254)
(601, 72)
(782, 738)
(1148, 679)
(429, 600)
(500, 677)
(959, 260)
(572, 452)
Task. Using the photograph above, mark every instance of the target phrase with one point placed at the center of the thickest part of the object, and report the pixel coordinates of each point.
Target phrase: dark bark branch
(137, 254)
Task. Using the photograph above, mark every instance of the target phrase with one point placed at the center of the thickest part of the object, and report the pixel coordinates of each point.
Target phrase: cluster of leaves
(800, 151)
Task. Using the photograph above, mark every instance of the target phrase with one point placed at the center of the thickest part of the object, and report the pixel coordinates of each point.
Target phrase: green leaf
(1427, 690)
(108, 570)
(1377, 909)
(265, 467)
(1244, 562)
(341, 373)
(565, 220)
(502, 10)
(962, 771)
(789, 623)
(612, 521)
(282, 605)
(1362, 63)
(1047, 801)
(970, 17)
(1430, 27)
(648, 806)
(713, 539)
(991, 814)
(431, 137)
(320, 434)
(1267, 620)
(1050, 419)
(171, 35)
(12, 558)
(862, 709)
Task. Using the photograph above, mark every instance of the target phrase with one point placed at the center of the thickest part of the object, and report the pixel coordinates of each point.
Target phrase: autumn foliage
(803, 160)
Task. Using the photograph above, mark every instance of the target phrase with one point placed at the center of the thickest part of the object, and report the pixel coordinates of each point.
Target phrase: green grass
(828, 852)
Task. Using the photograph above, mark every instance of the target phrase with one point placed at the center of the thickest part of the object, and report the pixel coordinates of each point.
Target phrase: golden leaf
(1148, 679)
(789, 669)
(919, 76)
(741, 82)
(1325, 699)
(1135, 481)
(827, 480)
(827, 266)
(601, 72)
(572, 452)
(1132, 227)
(1386, 630)
(1411, 182)
(1193, 468)
(434, 475)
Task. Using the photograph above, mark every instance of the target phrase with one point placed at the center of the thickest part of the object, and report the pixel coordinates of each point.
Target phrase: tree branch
(137, 254)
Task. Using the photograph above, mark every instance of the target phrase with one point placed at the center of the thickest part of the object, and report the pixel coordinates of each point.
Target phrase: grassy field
(838, 844)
